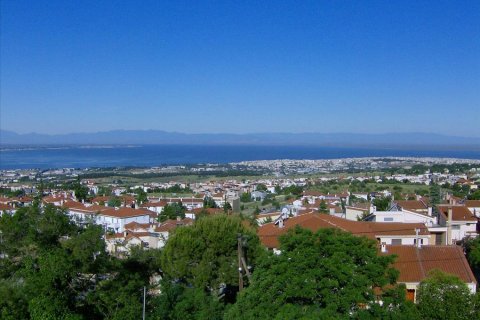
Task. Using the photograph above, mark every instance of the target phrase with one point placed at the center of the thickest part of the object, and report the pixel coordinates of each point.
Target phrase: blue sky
(241, 66)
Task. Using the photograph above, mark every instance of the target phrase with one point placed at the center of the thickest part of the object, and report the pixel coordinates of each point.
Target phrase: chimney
(417, 239)
(430, 211)
(449, 226)
(125, 233)
(280, 222)
(384, 247)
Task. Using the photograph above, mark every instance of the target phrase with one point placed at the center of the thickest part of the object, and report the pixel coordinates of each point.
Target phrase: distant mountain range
(123, 137)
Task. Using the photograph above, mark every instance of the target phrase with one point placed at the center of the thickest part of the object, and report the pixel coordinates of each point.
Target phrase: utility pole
(242, 263)
(240, 269)
(144, 300)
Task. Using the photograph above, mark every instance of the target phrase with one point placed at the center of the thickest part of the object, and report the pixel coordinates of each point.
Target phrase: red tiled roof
(269, 233)
(125, 212)
(415, 263)
(171, 224)
(472, 203)
(412, 204)
(459, 213)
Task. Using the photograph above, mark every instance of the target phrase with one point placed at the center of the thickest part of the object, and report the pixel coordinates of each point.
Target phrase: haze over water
(154, 155)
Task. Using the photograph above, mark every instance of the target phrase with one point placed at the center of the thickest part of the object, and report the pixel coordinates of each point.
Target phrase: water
(154, 155)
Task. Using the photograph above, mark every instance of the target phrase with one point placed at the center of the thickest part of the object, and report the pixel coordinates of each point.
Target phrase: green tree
(246, 197)
(227, 207)
(472, 251)
(81, 191)
(178, 302)
(261, 187)
(323, 275)
(208, 202)
(381, 203)
(140, 196)
(444, 296)
(114, 201)
(172, 211)
(435, 197)
(205, 255)
(323, 207)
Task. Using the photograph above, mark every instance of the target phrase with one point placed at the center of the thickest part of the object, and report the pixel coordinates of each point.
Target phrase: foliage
(114, 201)
(177, 301)
(208, 202)
(435, 197)
(327, 274)
(297, 191)
(382, 203)
(474, 195)
(444, 296)
(246, 197)
(205, 255)
(81, 192)
(227, 207)
(261, 187)
(172, 211)
(140, 196)
(472, 251)
(323, 207)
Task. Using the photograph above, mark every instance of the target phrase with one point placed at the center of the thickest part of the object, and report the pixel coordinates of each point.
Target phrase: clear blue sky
(241, 66)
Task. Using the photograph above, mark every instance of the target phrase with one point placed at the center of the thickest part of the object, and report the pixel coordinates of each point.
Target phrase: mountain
(122, 137)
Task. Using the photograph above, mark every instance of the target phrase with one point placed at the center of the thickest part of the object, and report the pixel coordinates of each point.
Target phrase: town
(424, 211)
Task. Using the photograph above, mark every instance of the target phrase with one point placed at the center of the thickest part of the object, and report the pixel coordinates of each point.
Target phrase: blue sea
(155, 155)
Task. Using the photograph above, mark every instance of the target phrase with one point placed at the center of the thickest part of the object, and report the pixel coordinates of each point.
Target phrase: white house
(460, 222)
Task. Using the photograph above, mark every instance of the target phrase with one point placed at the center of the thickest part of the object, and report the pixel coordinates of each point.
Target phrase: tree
(246, 197)
(176, 301)
(474, 195)
(444, 296)
(227, 207)
(114, 201)
(327, 274)
(261, 187)
(323, 207)
(472, 251)
(382, 204)
(81, 192)
(208, 202)
(172, 211)
(435, 197)
(140, 196)
(205, 255)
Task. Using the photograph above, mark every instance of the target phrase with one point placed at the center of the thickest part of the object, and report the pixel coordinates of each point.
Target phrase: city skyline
(203, 67)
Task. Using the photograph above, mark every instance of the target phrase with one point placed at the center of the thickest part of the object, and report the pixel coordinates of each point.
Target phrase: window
(390, 219)
(455, 227)
(396, 242)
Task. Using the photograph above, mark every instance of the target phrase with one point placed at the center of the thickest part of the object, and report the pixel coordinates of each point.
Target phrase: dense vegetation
(52, 269)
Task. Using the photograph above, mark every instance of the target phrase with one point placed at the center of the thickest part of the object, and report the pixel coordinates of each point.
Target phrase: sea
(49, 157)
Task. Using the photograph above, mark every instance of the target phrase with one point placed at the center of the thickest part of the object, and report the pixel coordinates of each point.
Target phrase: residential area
(428, 221)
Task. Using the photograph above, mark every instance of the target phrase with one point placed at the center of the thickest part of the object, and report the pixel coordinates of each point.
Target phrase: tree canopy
(327, 274)
(444, 296)
(205, 254)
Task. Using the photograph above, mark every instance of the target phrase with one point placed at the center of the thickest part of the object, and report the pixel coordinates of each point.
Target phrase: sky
(240, 66)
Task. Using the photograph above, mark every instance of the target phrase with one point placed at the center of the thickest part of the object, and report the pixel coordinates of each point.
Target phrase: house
(473, 206)
(165, 228)
(113, 219)
(357, 211)
(144, 235)
(459, 220)
(258, 195)
(388, 233)
(5, 208)
(414, 263)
